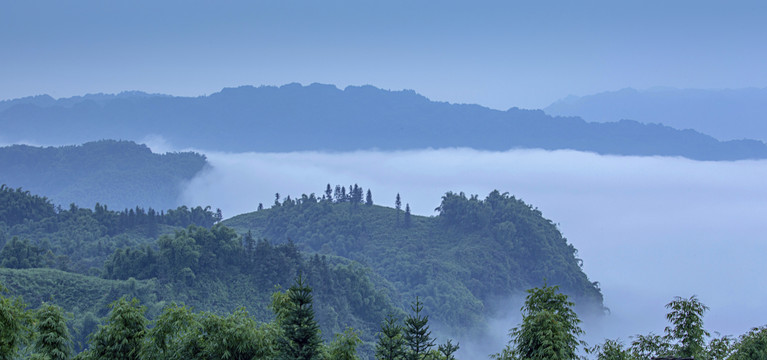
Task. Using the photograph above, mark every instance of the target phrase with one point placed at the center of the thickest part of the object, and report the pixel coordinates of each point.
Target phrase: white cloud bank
(647, 228)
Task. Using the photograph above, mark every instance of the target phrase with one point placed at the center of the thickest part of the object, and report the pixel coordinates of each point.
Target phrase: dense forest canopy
(475, 251)
(371, 279)
(120, 174)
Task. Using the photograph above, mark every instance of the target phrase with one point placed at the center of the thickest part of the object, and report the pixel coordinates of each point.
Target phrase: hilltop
(474, 253)
(119, 174)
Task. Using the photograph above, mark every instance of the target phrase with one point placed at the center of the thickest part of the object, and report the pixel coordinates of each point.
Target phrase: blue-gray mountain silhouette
(724, 114)
(322, 117)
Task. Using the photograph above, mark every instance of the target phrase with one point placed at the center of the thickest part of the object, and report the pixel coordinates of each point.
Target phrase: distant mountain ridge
(48, 101)
(120, 174)
(324, 118)
(724, 114)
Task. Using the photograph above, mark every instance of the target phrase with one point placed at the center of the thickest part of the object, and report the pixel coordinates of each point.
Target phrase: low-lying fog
(647, 228)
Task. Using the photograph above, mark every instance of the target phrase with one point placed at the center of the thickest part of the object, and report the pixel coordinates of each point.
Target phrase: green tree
(122, 337)
(549, 328)
(416, 333)
(369, 198)
(300, 338)
(53, 341)
(448, 349)
(18, 254)
(649, 346)
(391, 343)
(686, 318)
(172, 325)
(344, 346)
(610, 350)
(14, 325)
(398, 206)
(407, 215)
(752, 345)
(720, 348)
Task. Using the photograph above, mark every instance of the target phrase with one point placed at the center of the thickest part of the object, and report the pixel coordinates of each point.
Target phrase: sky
(494, 53)
(647, 228)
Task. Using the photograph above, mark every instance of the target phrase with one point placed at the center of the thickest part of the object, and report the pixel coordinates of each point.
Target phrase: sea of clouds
(647, 228)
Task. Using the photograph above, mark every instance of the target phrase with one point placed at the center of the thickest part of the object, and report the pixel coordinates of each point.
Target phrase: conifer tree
(301, 334)
(53, 341)
(417, 334)
(369, 198)
(391, 343)
(329, 193)
(398, 206)
(448, 349)
(407, 215)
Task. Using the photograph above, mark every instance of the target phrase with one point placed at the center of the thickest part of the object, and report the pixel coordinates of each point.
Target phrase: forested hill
(83, 259)
(323, 117)
(474, 253)
(119, 174)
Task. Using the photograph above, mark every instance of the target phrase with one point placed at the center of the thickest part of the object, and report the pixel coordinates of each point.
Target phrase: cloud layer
(647, 228)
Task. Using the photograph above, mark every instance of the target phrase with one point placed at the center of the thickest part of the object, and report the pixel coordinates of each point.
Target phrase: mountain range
(324, 118)
(724, 114)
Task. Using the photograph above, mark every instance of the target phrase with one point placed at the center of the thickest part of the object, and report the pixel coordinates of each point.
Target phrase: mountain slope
(474, 253)
(322, 117)
(120, 174)
(724, 114)
(83, 260)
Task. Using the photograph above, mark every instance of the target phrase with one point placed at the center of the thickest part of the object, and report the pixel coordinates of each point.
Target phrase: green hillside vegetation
(121, 174)
(474, 252)
(549, 330)
(39, 234)
(180, 255)
(333, 284)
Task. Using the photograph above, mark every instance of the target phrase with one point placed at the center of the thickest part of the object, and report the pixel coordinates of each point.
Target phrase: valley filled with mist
(646, 229)
(399, 180)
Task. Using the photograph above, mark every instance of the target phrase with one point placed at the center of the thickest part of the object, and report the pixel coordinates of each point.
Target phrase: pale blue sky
(495, 53)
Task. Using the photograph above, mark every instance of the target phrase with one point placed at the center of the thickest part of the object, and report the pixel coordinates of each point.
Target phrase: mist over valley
(647, 228)
(399, 180)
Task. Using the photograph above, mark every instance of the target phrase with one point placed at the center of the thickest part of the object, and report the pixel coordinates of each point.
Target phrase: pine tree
(329, 193)
(448, 349)
(407, 215)
(369, 198)
(337, 194)
(398, 206)
(417, 334)
(391, 343)
(301, 334)
(53, 341)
